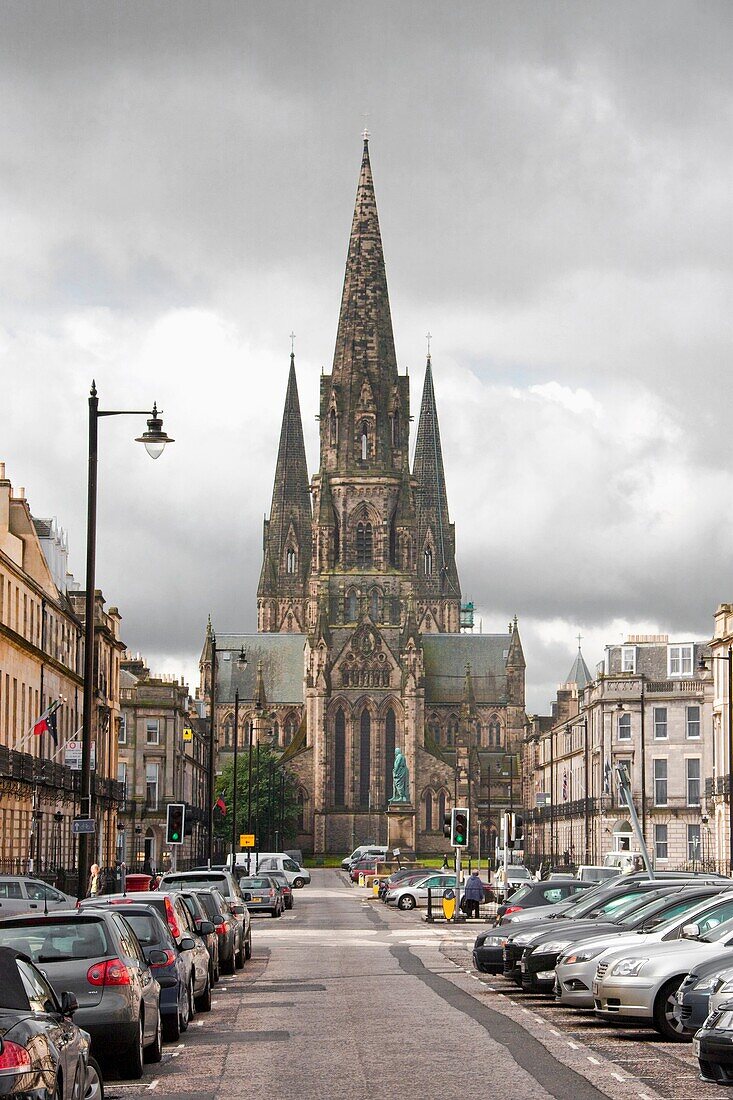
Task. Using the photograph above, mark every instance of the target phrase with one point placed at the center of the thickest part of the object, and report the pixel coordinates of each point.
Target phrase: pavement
(345, 997)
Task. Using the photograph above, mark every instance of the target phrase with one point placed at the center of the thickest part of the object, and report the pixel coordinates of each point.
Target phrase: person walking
(95, 881)
(473, 894)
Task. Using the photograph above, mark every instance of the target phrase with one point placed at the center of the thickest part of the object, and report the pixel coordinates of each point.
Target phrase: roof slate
(446, 656)
(282, 667)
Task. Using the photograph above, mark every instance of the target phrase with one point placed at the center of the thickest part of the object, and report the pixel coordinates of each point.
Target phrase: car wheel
(184, 1017)
(131, 1063)
(664, 1018)
(406, 902)
(154, 1052)
(227, 967)
(203, 1003)
(191, 999)
(298, 883)
(239, 958)
(95, 1083)
(172, 1027)
(248, 948)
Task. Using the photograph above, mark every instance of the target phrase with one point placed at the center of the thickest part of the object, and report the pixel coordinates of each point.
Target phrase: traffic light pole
(457, 915)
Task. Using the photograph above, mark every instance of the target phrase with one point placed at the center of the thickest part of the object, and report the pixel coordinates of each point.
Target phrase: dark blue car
(691, 1008)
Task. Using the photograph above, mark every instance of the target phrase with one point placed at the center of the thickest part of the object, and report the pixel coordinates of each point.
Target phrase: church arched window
(290, 560)
(442, 806)
(428, 811)
(365, 757)
(390, 731)
(333, 428)
(350, 606)
(364, 440)
(364, 544)
(494, 732)
(291, 726)
(374, 604)
(339, 759)
(428, 561)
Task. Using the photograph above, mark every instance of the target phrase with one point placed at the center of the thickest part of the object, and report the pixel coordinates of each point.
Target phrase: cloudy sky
(554, 185)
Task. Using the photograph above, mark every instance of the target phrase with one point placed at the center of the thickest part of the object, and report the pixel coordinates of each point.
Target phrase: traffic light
(447, 827)
(459, 827)
(175, 822)
(518, 830)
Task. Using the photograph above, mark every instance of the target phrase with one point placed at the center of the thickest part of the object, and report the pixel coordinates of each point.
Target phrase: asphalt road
(345, 998)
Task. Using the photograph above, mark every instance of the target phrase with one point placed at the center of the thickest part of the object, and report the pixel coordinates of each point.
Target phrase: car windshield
(722, 928)
(520, 893)
(194, 882)
(636, 910)
(254, 883)
(65, 940)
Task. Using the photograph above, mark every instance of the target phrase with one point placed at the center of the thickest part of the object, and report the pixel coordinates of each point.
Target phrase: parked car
(588, 872)
(703, 990)
(262, 895)
(296, 875)
(713, 1044)
(549, 892)
(367, 866)
(19, 894)
(576, 966)
(403, 877)
(170, 961)
(227, 884)
(172, 910)
(95, 955)
(416, 895)
(640, 984)
(364, 850)
(507, 881)
(203, 927)
(227, 927)
(285, 888)
(42, 1052)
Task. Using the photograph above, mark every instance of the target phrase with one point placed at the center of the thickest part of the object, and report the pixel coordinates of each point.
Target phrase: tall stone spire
(435, 533)
(288, 531)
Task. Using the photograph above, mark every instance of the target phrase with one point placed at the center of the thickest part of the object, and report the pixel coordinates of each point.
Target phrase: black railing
(36, 771)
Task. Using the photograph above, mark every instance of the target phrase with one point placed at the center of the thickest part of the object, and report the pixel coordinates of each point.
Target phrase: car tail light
(512, 909)
(14, 1058)
(170, 958)
(108, 972)
(271, 892)
(172, 919)
(223, 928)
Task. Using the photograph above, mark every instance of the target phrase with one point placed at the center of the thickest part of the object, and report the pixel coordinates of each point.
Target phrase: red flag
(221, 804)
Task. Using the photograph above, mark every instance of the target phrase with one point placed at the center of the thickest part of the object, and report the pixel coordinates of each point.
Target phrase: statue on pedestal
(400, 778)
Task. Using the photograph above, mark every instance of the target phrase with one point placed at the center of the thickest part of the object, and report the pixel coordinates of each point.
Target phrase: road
(346, 998)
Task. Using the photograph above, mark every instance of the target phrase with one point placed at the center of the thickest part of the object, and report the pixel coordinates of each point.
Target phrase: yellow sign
(246, 840)
(187, 733)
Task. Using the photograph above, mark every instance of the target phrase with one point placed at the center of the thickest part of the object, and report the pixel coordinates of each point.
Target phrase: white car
(641, 983)
(296, 875)
(416, 895)
(364, 851)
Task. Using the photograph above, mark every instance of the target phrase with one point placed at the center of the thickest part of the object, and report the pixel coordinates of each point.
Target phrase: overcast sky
(554, 186)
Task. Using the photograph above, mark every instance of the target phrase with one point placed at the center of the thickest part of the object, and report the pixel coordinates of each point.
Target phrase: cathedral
(360, 650)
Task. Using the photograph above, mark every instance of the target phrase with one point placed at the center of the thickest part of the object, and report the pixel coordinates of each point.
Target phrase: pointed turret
(436, 563)
(288, 531)
(579, 674)
(515, 656)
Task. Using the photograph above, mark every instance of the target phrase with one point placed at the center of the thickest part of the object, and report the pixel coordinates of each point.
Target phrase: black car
(713, 1045)
(693, 995)
(227, 927)
(42, 1051)
(204, 928)
(549, 892)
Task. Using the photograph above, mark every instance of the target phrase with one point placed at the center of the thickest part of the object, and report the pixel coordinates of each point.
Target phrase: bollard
(429, 916)
(361, 878)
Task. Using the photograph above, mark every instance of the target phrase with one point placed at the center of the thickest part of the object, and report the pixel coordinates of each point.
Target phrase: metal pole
(643, 763)
(87, 718)
(234, 777)
(586, 825)
(552, 800)
(730, 757)
(257, 806)
(249, 793)
(457, 910)
(212, 735)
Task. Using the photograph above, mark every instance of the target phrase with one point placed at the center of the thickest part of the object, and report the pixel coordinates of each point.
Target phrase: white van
(254, 862)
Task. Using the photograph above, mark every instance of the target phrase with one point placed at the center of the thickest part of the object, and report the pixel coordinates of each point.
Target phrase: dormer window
(290, 561)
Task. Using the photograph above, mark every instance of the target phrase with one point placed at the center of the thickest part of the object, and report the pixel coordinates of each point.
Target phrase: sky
(176, 188)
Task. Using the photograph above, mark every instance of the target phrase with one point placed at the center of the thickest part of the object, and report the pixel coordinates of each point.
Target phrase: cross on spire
(428, 337)
(292, 343)
(365, 132)
(580, 639)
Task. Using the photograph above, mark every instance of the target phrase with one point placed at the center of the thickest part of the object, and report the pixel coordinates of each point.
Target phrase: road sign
(83, 825)
(246, 840)
(187, 733)
(72, 755)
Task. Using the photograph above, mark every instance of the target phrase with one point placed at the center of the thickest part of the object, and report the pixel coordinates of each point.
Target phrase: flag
(221, 804)
(607, 777)
(564, 786)
(47, 722)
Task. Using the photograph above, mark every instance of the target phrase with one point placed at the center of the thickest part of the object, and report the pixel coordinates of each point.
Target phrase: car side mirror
(69, 1003)
(237, 909)
(691, 931)
(204, 927)
(156, 957)
(187, 944)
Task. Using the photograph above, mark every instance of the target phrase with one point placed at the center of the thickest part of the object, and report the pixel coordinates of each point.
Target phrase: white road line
(553, 1032)
(153, 1085)
(593, 1060)
(199, 1023)
(573, 1045)
(619, 1077)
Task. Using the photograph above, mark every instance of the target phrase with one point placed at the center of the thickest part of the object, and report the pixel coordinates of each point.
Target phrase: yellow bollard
(449, 904)
(361, 878)
(375, 887)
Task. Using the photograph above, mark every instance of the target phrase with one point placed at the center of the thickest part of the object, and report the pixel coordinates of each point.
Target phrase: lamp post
(703, 667)
(154, 440)
(241, 665)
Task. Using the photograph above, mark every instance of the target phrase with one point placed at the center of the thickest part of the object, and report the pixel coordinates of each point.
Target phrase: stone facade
(42, 660)
(360, 593)
(650, 707)
(163, 757)
(718, 784)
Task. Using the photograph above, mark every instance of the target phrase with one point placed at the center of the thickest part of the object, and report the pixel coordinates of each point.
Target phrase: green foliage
(274, 808)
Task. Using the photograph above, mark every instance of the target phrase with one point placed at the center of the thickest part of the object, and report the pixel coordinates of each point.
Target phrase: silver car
(411, 897)
(20, 895)
(641, 983)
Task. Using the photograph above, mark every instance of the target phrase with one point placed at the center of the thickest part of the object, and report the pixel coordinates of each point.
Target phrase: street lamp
(241, 665)
(703, 667)
(154, 440)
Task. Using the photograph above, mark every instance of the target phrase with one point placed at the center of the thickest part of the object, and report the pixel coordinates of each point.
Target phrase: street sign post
(83, 825)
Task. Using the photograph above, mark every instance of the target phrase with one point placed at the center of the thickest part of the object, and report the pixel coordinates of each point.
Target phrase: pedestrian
(95, 882)
(474, 894)
(445, 864)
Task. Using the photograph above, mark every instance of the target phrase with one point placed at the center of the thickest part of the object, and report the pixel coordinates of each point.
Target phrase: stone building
(359, 603)
(650, 707)
(717, 784)
(163, 757)
(41, 661)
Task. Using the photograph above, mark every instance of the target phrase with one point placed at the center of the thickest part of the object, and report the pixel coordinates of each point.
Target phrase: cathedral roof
(280, 657)
(446, 656)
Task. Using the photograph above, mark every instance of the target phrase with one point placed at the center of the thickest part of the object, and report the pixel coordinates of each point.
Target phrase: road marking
(619, 1077)
(199, 1023)
(553, 1032)
(153, 1084)
(573, 1045)
(593, 1060)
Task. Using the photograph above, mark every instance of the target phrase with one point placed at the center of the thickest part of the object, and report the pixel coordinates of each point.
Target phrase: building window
(350, 608)
(692, 771)
(660, 781)
(626, 765)
(151, 786)
(364, 544)
(396, 430)
(660, 841)
(390, 728)
(122, 730)
(624, 727)
(122, 774)
(290, 561)
(680, 660)
(339, 758)
(374, 604)
(365, 758)
(333, 428)
(152, 731)
(364, 441)
(428, 561)
(442, 808)
(628, 658)
(428, 811)
(693, 723)
(660, 723)
(694, 843)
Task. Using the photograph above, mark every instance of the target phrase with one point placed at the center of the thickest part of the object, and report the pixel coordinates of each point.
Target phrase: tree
(274, 807)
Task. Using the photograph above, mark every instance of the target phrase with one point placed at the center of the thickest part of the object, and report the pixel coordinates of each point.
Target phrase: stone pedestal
(401, 827)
